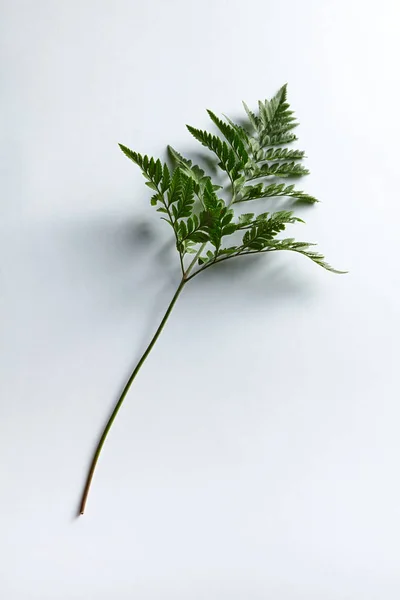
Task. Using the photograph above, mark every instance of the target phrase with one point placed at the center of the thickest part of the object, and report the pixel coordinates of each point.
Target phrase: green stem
(172, 223)
(192, 264)
(123, 395)
(210, 264)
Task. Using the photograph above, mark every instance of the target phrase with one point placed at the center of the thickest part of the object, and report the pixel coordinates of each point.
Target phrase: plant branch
(243, 160)
(122, 398)
(210, 264)
(192, 264)
(175, 232)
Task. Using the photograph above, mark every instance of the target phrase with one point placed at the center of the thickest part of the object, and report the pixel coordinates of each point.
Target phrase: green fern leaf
(262, 233)
(166, 179)
(253, 119)
(175, 187)
(240, 156)
(245, 220)
(210, 198)
(241, 132)
(304, 249)
(191, 170)
(185, 201)
(228, 160)
(260, 190)
(232, 137)
(157, 175)
(282, 154)
(278, 169)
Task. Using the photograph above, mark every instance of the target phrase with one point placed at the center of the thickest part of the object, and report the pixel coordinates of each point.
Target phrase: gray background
(257, 455)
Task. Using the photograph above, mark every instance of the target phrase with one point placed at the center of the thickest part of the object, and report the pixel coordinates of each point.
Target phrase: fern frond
(227, 157)
(232, 136)
(282, 154)
(244, 156)
(275, 115)
(194, 229)
(277, 139)
(166, 179)
(175, 187)
(216, 219)
(256, 151)
(261, 190)
(254, 120)
(194, 171)
(152, 169)
(242, 133)
(157, 175)
(185, 201)
(304, 249)
(245, 220)
(263, 231)
(278, 169)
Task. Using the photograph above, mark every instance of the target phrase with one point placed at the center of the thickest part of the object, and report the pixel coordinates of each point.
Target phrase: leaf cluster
(255, 157)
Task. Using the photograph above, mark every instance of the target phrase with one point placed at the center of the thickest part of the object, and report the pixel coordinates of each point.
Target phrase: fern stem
(210, 264)
(192, 264)
(122, 397)
(174, 228)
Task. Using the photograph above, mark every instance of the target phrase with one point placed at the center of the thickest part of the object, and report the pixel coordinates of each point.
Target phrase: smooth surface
(257, 455)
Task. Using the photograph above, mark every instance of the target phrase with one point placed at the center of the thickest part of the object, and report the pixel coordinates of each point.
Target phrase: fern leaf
(278, 169)
(158, 175)
(232, 137)
(319, 259)
(268, 139)
(166, 179)
(262, 233)
(257, 151)
(271, 109)
(194, 230)
(260, 190)
(194, 171)
(175, 188)
(186, 199)
(216, 220)
(228, 160)
(210, 198)
(242, 133)
(304, 249)
(282, 154)
(245, 220)
(253, 119)
(134, 156)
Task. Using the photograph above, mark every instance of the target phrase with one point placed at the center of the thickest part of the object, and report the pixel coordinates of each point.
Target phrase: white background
(257, 454)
